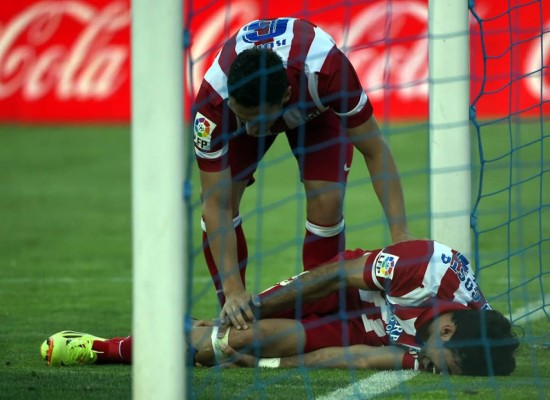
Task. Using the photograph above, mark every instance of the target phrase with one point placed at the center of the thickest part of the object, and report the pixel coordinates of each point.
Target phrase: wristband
(269, 362)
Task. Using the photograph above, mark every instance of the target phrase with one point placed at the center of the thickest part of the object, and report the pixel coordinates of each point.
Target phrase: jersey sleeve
(399, 268)
(341, 90)
(208, 129)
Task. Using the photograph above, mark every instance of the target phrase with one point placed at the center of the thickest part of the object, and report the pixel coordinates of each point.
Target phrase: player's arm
(218, 217)
(338, 76)
(358, 356)
(367, 138)
(314, 285)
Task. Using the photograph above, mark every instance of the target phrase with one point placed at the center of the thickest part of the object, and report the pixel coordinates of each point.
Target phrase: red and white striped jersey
(320, 75)
(411, 283)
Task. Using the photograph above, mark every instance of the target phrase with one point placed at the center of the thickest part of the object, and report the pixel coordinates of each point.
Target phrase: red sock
(322, 243)
(242, 254)
(116, 350)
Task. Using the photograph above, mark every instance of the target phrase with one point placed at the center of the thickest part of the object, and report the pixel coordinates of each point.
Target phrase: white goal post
(158, 218)
(450, 174)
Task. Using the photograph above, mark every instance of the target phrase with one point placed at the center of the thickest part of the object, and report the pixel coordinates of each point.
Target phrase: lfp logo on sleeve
(385, 264)
(203, 128)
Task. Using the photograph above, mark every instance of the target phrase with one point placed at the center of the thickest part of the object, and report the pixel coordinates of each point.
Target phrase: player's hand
(236, 359)
(236, 311)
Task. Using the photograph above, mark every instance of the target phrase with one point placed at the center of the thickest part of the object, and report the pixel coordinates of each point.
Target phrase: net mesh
(387, 42)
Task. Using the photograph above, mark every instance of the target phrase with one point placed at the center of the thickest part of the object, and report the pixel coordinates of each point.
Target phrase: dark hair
(257, 76)
(483, 343)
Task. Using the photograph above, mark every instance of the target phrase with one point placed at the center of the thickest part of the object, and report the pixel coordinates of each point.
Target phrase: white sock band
(120, 348)
(236, 222)
(269, 362)
(325, 231)
(218, 343)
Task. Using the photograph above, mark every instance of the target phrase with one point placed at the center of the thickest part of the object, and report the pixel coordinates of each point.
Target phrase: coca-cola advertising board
(69, 61)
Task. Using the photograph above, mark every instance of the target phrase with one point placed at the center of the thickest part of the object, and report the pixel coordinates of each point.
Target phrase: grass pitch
(65, 260)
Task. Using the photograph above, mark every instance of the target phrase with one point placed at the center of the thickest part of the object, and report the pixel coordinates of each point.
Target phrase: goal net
(509, 112)
(387, 42)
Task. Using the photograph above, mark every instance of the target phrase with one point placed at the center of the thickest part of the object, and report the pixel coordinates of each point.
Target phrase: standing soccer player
(284, 75)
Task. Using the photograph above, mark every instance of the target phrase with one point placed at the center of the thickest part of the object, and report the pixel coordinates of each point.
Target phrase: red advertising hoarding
(69, 61)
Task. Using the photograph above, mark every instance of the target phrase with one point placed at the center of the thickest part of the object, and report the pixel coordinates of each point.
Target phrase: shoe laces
(79, 351)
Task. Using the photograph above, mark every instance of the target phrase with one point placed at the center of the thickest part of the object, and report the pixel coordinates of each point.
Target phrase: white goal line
(374, 385)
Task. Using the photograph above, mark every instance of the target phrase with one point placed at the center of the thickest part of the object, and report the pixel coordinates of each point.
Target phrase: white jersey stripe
(373, 325)
(315, 59)
(413, 298)
(434, 273)
(284, 51)
(408, 325)
(430, 282)
(217, 78)
(358, 107)
(321, 45)
(377, 325)
(213, 155)
(462, 295)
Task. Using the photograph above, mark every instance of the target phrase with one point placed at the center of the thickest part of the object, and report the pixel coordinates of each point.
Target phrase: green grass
(65, 258)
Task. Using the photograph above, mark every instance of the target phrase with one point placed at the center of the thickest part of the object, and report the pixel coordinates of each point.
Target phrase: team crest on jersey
(203, 128)
(385, 264)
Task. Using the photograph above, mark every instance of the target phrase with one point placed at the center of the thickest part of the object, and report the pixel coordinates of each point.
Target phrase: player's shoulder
(208, 96)
(417, 246)
(415, 252)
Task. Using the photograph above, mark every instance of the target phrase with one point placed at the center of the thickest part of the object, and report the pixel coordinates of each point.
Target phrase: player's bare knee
(324, 202)
(324, 210)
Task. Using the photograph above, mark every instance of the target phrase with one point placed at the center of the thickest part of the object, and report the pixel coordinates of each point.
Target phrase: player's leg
(324, 234)
(244, 154)
(324, 156)
(266, 338)
(116, 350)
(335, 321)
(76, 348)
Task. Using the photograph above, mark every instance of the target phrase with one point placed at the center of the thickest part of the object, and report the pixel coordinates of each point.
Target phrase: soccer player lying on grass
(410, 305)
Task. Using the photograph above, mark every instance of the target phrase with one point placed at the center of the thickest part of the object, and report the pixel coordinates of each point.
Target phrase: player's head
(256, 77)
(258, 88)
(483, 342)
(471, 342)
